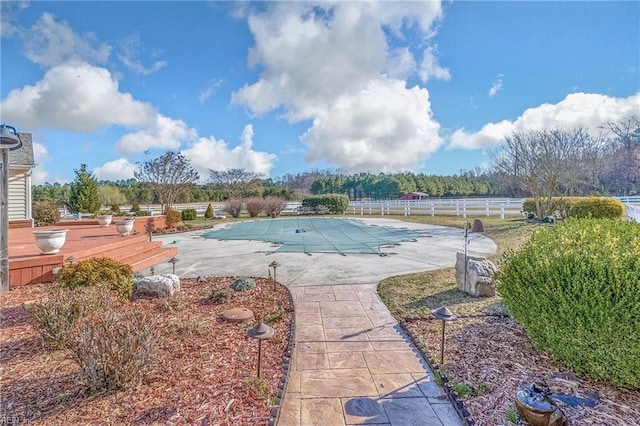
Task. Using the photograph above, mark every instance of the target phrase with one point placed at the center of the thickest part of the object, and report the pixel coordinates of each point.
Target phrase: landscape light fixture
(445, 315)
(9, 140)
(71, 260)
(260, 332)
(274, 265)
(173, 262)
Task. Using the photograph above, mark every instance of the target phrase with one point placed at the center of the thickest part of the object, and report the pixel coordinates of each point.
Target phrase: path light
(71, 260)
(274, 265)
(444, 315)
(9, 140)
(173, 262)
(260, 332)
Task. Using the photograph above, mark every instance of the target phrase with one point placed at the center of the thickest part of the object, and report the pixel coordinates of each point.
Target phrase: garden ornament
(534, 405)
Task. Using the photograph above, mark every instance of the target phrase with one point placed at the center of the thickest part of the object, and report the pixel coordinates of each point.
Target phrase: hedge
(575, 289)
(335, 203)
(580, 207)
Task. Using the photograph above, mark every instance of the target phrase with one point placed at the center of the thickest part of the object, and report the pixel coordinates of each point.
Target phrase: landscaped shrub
(188, 214)
(559, 206)
(243, 283)
(574, 288)
(597, 208)
(335, 203)
(172, 218)
(254, 206)
(208, 214)
(112, 348)
(273, 206)
(233, 206)
(45, 213)
(116, 210)
(94, 272)
(54, 316)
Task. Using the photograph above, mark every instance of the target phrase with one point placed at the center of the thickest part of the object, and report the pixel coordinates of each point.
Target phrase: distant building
(20, 164)
(415, 196)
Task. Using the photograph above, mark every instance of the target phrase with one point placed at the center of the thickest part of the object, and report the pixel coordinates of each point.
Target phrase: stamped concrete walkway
(353, 365)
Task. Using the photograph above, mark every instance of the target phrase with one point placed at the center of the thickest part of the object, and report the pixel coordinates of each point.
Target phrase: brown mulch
(203, 370)
(494, 355)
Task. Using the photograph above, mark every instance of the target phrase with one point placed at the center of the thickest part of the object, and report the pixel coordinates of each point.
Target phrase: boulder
(479, 280)
(156, 285)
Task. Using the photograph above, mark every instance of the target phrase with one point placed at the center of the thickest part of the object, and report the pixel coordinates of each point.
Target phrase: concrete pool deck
(435, 248)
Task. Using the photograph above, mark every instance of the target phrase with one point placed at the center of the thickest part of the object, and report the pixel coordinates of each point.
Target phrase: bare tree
(169, 175)
(624, 171)
(545, 163)
(235, 183)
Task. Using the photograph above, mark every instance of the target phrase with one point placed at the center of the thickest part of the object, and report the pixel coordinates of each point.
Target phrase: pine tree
(83, 196)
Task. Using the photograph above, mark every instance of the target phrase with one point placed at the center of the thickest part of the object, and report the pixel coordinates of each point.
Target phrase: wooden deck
(85, 239)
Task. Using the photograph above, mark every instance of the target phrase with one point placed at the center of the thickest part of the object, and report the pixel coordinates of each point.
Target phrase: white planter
(50, 241)
(104, 219)
(124, 227)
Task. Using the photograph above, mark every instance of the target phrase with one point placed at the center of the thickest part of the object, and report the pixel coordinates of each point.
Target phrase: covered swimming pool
(316, 235)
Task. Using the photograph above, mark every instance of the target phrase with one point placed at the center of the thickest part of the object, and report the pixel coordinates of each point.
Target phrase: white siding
(18, 209)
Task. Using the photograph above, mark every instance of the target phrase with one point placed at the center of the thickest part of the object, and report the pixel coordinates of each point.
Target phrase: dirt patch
(203, 372)
(493, 357)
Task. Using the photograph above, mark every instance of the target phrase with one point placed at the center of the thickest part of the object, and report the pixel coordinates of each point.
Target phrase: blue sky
(283, 87)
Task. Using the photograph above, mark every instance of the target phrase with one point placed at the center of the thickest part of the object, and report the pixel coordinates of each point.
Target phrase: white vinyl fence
(440, 206)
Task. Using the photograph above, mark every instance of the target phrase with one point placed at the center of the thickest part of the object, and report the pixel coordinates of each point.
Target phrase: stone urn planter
(104, 219)
(49, 241)
(125, 226)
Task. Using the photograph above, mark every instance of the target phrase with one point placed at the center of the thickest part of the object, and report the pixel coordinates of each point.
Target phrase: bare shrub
(233, 206)
(273, 206)
(254, 205)
(112, 348)
(55, 316)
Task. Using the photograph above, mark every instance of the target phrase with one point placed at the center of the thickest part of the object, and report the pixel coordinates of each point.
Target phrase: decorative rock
(237, 315)
(536, 408)
(480, 273)
(243, 283)
(156, 285)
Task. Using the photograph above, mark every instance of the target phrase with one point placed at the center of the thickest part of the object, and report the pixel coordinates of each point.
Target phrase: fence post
(361, 210)
(464, 212)
(433, 210)
(457, 209)
(502, 211)
(487, 208)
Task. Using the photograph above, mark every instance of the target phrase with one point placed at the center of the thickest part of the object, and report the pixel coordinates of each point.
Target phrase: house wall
(19, 194)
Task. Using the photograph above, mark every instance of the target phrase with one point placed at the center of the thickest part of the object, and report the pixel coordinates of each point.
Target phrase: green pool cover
(316, 235)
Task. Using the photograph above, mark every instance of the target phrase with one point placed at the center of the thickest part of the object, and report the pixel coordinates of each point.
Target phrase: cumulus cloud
(587, 110)
(49, 43)
(41, 155)
(496, 86)
(215, 154)
(325, 62)
(165, 133)
(132, 47)
(115, 170)
(75, 97)
(385, 128)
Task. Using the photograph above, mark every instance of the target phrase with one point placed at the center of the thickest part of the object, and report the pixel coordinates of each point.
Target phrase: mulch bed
(494, 355)
(203, 370)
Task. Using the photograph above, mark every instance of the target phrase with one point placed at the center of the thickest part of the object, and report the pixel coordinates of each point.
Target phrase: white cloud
(430, 69)
(76, 97)
(385, 128)
(331, 63)
(132, 46)
(165, 133)
(496, 86)
(215, 154)
(209, 90)
(588, 110)
(8, 13)
(41, 155)
(49, 43)
(115, 170)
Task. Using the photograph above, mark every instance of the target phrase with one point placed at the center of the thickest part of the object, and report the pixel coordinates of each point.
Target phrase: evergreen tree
(83, 195)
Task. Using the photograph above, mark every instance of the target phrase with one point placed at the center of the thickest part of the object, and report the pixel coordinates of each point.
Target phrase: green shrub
(94, 272)
(335, 203)
(54, 316)
(208, 214)
(45, 213)
(243, 283)
(559, 206)
(575, 290)
(172, 218)
(116, 209)
(112, 348)
(135, 208)
(188, 214)
(597, 208)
